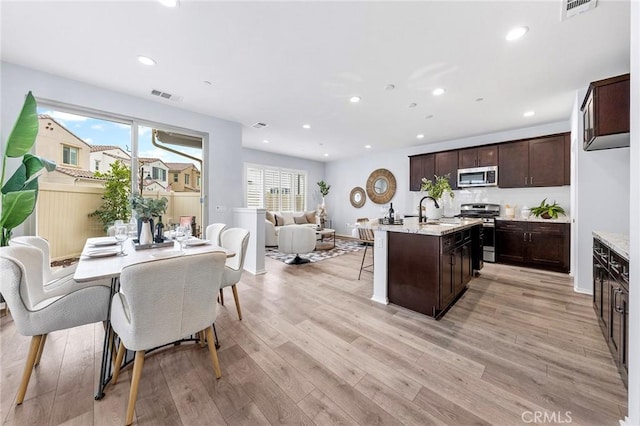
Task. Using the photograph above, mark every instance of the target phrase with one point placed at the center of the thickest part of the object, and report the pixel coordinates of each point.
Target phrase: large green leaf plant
(20, 191)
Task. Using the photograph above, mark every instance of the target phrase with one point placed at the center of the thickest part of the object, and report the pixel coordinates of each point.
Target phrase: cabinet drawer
(547, 228)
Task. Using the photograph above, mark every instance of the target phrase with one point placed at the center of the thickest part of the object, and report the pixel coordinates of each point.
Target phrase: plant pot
(145, 235)
(433, 213)
(545, 216)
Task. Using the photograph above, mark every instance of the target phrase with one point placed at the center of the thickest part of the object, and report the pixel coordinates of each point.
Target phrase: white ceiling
(289, 63)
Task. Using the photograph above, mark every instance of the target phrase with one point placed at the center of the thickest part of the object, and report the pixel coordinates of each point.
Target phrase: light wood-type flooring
(313, 349)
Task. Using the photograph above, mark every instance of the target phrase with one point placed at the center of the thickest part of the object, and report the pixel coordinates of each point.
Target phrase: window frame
(77, 152)
(287, 191)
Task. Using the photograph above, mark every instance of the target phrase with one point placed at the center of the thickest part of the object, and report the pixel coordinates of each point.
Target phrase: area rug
(342, 247)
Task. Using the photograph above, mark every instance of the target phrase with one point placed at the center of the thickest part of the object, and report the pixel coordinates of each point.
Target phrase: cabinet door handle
(530, 237)
(525, 237)
(618, 309)
(531, 180)
(525, 180)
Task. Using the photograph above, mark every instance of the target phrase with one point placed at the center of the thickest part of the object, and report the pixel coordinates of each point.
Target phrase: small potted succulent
(547, 211)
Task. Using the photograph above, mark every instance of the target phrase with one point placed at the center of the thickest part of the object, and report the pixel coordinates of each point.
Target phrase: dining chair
(36, 313)
(162, 301)
(237, 240)
(54, 282)
(214, 231)
(367, 238)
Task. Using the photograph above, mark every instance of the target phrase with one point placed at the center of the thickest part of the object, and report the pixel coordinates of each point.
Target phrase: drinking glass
(181, 235)
(122, 233)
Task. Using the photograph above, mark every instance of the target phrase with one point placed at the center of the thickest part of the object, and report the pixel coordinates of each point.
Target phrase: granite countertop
(561, 219)
(443, 228)
(618, 242)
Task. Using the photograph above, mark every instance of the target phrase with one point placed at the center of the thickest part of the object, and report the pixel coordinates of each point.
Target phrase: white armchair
(162, 301)
(36, 313)
(235, 239)
(296, 239)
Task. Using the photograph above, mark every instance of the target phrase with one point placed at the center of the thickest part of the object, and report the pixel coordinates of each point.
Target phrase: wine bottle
(392, 214)
(159, 231)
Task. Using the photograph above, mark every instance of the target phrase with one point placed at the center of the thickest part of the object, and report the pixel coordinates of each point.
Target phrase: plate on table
(195, 242)
(104, 243)
(163, 254)
(102, 253)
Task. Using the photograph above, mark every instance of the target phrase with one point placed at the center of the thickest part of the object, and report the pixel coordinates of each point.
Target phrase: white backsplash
(518, 197)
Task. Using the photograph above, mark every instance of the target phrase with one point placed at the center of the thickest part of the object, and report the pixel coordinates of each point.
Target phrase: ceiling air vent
(571, 8)
(259, 125)
(166, 95)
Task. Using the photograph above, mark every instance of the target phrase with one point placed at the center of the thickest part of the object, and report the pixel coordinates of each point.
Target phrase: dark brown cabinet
(532, 163)
(447, 164)
(533, 244)
(420, 166)
(606, 114)
(611, 302)
(427, 273)
(482, 156)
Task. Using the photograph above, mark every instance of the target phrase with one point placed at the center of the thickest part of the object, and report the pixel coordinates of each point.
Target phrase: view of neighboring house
(184, 177)
(72, 155)
(102, 156)
(154, 174)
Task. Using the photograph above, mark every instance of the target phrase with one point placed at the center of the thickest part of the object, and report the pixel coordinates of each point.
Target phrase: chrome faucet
(420, 217)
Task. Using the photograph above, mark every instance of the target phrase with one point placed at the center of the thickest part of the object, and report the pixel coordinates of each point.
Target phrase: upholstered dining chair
(58, 282)
(162, 301)
(367, 238)
(214, 231)
(36, 313)
(237, 240)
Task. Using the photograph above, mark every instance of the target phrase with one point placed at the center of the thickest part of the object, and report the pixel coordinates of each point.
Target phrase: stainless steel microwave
(478, 176)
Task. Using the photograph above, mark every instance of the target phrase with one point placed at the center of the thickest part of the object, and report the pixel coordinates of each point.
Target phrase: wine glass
(181, 235)
(122, 233)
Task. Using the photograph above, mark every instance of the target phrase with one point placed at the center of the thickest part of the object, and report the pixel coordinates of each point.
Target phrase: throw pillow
(270, 217)
(311, 216)
(300, 220)
(288, 218)
(279, 219)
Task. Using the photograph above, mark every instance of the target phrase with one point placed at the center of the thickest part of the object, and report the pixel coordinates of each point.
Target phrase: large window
(186, 179)
(276, 189)
(70, 155)
(159, 174)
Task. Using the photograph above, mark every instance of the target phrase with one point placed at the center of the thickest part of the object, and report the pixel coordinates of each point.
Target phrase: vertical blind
(276, 189)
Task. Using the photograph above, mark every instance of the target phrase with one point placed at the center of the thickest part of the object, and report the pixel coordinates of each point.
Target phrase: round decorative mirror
(381, 186)
(357, 197)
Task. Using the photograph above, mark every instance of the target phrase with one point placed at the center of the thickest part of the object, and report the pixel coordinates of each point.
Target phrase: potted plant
(146, 209)
(436, 189)
(322, 209)
(547, 211)
(20, 191)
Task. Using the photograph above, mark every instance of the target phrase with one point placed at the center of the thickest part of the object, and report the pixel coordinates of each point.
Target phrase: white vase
(433, 213)
(146, 236)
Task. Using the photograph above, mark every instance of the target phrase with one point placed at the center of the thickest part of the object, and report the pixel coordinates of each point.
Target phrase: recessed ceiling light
(145, 60)
(207, 82)
(420, 136)
(169, 3)
(516, 33)
(479, 99)
(354, 99)
(367, 146)
(439, 91)
(529, 114)
(306, 126)
(389, 87)
(413, 105)
(326, 155)
(265, 141)
(429, 117)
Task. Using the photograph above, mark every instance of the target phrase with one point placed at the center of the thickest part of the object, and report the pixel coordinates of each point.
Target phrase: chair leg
(213, 352)
(138, 363)
(116, 369)
(221, 297)
(363, 256)
(237, 300)
(28, 367)
(201, 338)
(40, 349)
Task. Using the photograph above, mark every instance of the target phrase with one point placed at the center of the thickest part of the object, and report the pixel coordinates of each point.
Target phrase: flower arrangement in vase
(146, 209)
(436, 189)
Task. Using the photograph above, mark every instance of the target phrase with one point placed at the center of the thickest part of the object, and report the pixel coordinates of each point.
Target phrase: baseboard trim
(384, 301)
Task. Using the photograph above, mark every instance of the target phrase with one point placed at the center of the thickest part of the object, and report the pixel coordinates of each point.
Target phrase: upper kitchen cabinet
(447, 163)
(533, 162)
(605, 112)
(482, 156)
(420, 166)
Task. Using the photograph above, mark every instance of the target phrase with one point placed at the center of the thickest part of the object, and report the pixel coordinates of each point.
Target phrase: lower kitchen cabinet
(534, 244)
(611, 302)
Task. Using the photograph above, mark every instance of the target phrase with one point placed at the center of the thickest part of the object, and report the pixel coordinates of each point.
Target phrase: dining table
(104, 258)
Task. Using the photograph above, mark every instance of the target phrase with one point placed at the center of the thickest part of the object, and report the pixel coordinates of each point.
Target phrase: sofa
(274, 221)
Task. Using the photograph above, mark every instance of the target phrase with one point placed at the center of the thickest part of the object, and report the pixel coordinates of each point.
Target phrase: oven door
(488, 239)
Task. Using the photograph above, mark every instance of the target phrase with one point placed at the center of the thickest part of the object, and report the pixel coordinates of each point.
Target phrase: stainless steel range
(487, 212)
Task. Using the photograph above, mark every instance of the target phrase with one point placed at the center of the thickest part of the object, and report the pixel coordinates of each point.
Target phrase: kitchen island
(425, 267)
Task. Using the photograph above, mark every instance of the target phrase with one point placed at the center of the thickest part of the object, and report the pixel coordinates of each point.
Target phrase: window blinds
(276, 189)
